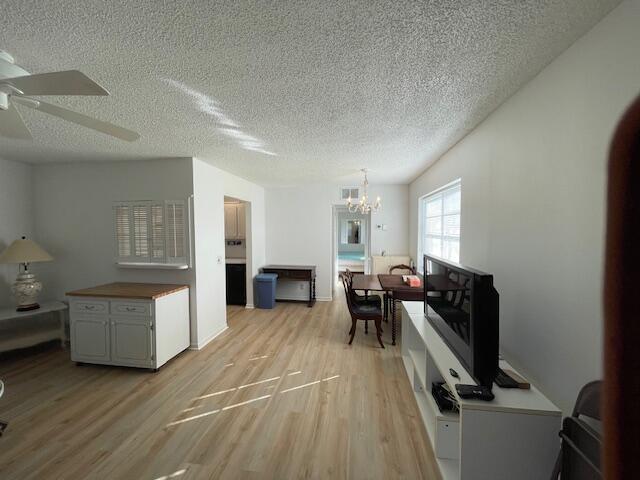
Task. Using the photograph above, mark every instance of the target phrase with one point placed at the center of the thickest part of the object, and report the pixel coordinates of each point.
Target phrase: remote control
(474, 391)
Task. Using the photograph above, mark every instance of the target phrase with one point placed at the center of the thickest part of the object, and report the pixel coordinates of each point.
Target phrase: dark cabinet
(236, 284)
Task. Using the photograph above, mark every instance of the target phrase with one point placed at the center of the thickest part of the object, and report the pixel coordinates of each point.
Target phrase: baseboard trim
(206, 341)
(303, 299)
(249, 306)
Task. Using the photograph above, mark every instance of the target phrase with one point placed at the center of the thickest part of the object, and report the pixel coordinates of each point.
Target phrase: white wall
(533, 203)
(299, 230)
(208, 214)
(74, 220)
(255, 243)
(16, 218)
(210, 187)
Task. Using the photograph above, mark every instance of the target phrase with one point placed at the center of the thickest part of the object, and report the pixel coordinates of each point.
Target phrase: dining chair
(390, 298)
(371, 299)
(362, 311)
(3, 425)
(587, 404)
(407, 270)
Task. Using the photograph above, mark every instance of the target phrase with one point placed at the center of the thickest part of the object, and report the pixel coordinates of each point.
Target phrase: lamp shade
(24, 251)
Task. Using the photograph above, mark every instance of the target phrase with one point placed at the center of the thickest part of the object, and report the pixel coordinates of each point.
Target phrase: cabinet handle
(131, 309)
(89, 307)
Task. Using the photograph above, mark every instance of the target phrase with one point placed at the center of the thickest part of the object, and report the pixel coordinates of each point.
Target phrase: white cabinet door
(230, 221)
(241, 219)
(89, 339)
(132, 341)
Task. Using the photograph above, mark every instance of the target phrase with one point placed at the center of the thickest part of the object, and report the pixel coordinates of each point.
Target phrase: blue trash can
(266, 289)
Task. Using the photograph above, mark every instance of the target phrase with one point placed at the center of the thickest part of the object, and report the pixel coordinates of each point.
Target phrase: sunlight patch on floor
(172, 475)
(235, 405)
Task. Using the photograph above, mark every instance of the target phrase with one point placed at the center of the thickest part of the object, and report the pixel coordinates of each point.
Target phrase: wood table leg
(385, 300)
(63, 330)
(312, 292)
(393, 321)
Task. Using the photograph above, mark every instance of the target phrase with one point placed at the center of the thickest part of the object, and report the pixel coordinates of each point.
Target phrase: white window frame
(422, 224)
(167, 261)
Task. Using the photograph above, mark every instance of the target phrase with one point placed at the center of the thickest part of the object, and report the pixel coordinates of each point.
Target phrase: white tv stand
(515, 436)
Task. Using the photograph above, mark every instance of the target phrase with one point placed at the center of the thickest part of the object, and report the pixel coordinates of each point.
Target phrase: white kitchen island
(129, 324)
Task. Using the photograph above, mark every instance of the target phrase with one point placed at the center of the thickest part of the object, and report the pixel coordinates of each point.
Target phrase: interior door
(241, 221)
(90, 339)
(132, 341)
(230, 220)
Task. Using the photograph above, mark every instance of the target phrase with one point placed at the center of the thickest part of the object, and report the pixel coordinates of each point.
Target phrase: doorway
(235, 248)
(351, 241)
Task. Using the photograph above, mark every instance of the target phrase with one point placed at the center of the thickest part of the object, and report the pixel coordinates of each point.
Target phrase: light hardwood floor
(279, 395)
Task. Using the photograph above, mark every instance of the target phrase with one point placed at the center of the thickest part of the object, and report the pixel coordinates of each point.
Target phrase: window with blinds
(440, 223)
(153, 232)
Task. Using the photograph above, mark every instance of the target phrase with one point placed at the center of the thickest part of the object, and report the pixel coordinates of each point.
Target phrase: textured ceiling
(286, 91)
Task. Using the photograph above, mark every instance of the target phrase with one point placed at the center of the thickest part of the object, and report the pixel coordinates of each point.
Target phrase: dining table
(392, 284)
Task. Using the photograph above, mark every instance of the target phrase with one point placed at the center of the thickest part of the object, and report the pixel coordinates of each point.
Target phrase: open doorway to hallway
(351, 241)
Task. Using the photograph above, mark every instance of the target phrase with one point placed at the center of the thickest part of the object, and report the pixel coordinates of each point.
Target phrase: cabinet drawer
(299, 274)
(130, 308)
(90, 306)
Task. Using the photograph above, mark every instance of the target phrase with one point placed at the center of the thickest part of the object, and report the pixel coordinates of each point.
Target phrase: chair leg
(3, 426)
(379, 331)
(353, 330)
(366, 327)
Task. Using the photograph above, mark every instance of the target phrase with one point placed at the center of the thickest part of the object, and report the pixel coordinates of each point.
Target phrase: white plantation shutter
(154, 232)
(157, 233)
(141, 231)
(123, 231)
(176, 231)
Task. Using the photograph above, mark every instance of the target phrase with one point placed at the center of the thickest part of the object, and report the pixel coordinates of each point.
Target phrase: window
(440, 223)
(152, 233)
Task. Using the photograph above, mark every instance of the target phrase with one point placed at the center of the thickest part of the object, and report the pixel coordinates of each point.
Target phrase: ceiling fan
(16, 86)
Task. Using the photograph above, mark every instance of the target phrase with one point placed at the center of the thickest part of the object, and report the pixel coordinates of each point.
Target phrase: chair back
(588, 402)
(349, 274)
(347, 292)
(406, 269)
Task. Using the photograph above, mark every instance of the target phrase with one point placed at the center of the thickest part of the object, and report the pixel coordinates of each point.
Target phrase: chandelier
(363, 206)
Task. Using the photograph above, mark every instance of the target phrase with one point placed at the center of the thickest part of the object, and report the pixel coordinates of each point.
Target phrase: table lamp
(26, 288)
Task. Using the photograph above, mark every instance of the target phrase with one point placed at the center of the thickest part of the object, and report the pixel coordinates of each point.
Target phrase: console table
(298, 273)
(33, 336)
(515, 436)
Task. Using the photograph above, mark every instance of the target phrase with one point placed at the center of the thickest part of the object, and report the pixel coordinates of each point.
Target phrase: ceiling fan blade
(70, 82)
(81, 119)
(12, 125)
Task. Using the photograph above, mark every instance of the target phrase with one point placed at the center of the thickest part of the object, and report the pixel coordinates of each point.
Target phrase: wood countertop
(144, 291)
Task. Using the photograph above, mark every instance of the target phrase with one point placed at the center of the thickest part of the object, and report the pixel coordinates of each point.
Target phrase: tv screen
(449, 297)
(462, 305)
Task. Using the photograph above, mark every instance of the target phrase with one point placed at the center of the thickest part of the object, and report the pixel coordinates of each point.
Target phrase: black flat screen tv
(462, 306)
